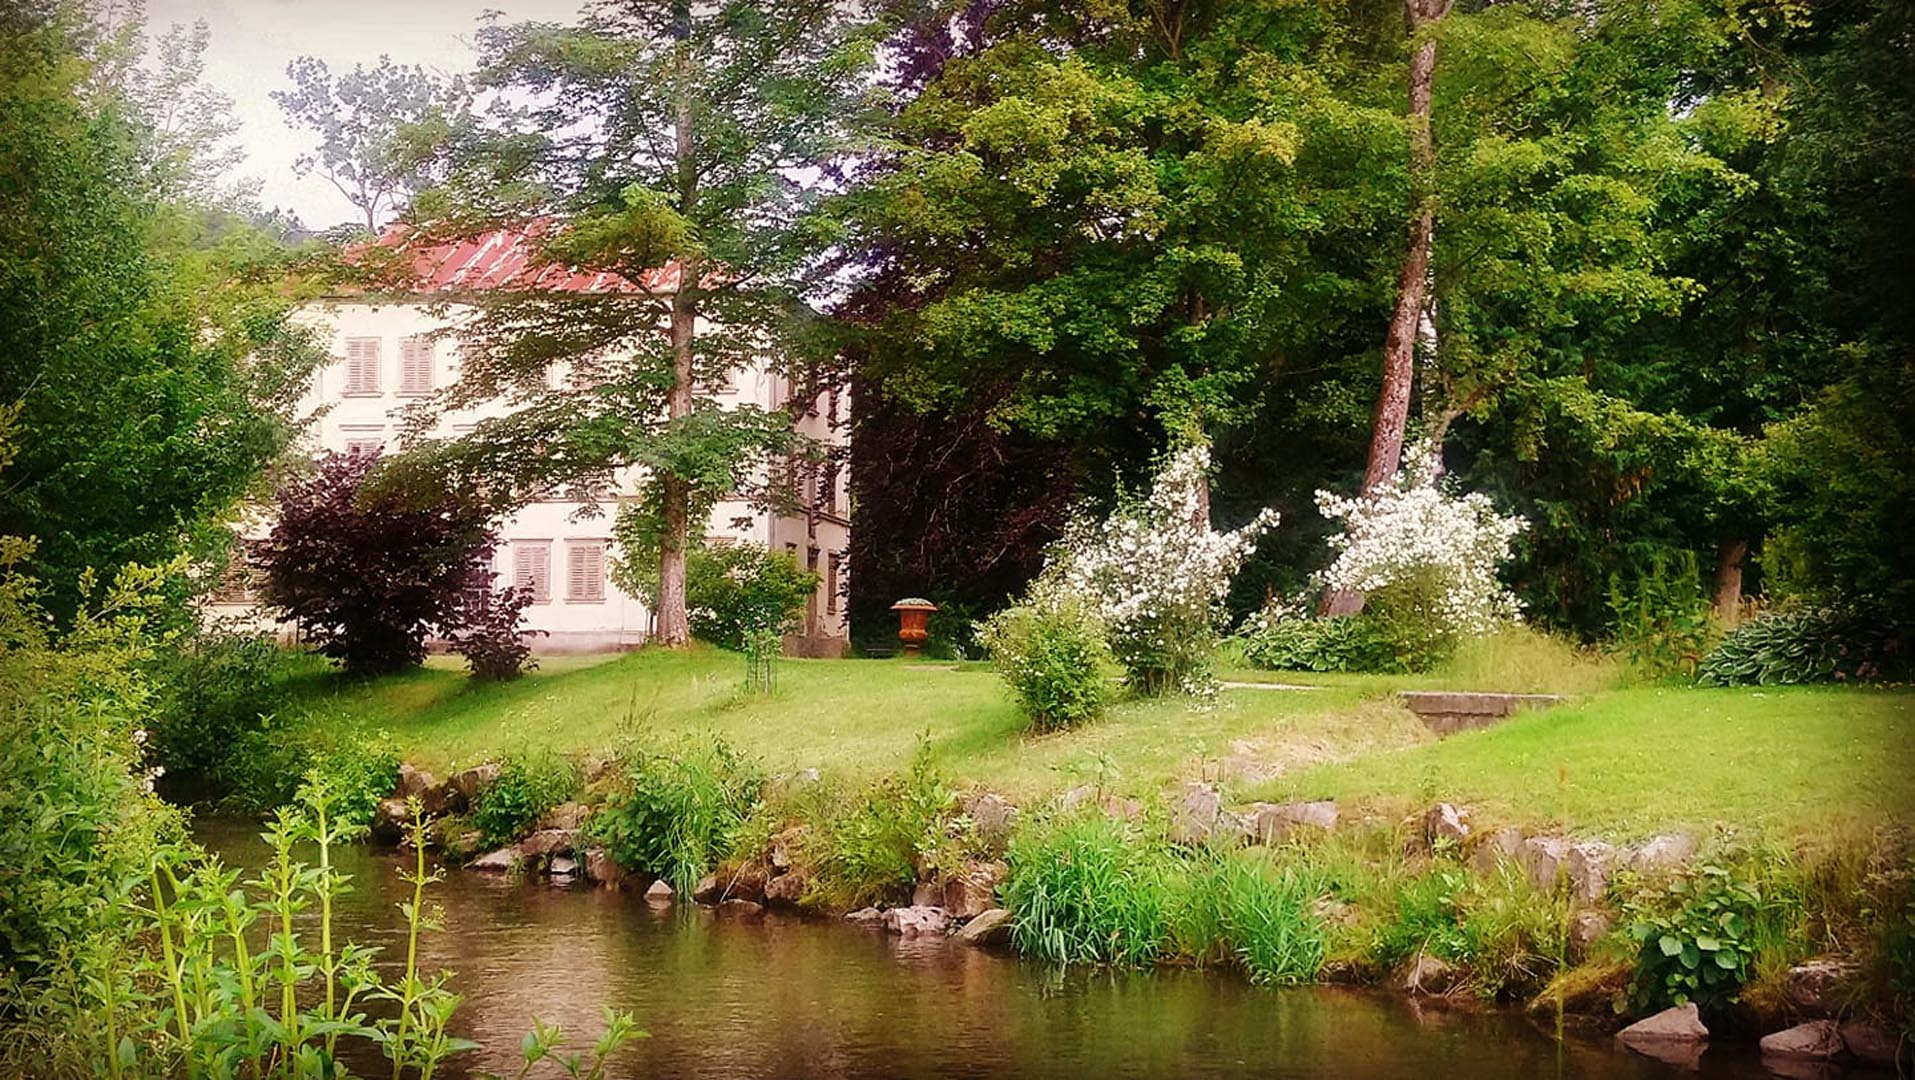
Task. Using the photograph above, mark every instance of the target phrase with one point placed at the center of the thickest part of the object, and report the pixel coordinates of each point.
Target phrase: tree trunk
(1730, 555)
(673, 628)
(1412, 282)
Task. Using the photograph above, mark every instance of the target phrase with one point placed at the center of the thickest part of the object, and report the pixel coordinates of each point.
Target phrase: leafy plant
(1807, 645)
(866, 848)
(735, 590)
(1087, 890)
(678, 812)
(1291, 639)
(1696, 936)
(215, 688)
(531, 781)
(1662, 622)
(493, 637)
(1051, 650)
(264, 768)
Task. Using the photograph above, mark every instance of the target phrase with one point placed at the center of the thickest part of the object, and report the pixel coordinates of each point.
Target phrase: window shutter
(415, 365)
(585, 572)
(532, 570)
(365, 447)
(362, 365)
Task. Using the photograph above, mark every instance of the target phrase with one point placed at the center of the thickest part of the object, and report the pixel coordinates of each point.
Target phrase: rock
(659, 893)
(1681, 1024)
(1198, 815)
(562, 866)
(549, 842)
(992, 819)
(709, 890)
(470, 782)
(744, 909)
(870, 916)
(1661, 854)
(389, 820)
(787, 888)
(989, 927)
(974, 890)
(1589, 865)
(1545, 861)
(1116, 806)
(1269, 823)
(425, 787)
(566, 815)
(916, 921)
(497, 862)
(598, 767)
(1505, 845)
(602, 869)
(1816, 987)
(1446, 827)
(1429, 975)
(1817, 1040)
(785, 846)
(1873, 1045)
(1587, 927)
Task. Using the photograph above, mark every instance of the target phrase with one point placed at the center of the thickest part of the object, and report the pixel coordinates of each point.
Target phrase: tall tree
(678, 146)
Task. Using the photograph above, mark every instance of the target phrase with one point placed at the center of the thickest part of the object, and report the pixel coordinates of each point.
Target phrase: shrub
(215, 689)
(1663, 624)
(1696, 936)
(1088, 890)
(1052, 653)
(677, 814)
(366, 573)
(866, 849)
(1506, 936)
(1288, 639)
(1806, 645)
(264, 768)
(734, 590)
(530, 782)
(493, 641)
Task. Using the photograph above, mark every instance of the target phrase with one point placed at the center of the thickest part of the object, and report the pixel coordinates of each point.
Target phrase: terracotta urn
(913, 612)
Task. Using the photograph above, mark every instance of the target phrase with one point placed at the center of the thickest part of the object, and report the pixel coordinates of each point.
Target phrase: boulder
(1429, 975)
(1590, 864)
(1491, 851)
(1116, 806)
(991, 927)
(1587, 927)
(973, 891)
(470, 782)
(1874, 1045)
(1817, 1040)
(742, 909)
(497, 862)
(566, 815)
(389, 821)
(1545, 862)
(916, 921)
(602, 869)
(1446, 827)
(659, 893)
(414, 782)
(787, 888)
(598, 767)
(785, 847)
(992, 818)
(709, 890)
(870, 916)
(562, 866)
(549, 842)
(1198, 815)
(1661, 854)
(1682, 1024)
(1816, 987)
(1273, 823)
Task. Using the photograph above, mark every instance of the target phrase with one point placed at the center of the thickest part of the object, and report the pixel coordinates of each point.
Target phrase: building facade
(388, 356)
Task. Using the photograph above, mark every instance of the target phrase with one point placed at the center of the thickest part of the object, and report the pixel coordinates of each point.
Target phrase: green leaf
(1670, 946)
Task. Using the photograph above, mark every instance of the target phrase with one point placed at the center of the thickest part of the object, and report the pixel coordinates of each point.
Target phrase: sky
(254, 40)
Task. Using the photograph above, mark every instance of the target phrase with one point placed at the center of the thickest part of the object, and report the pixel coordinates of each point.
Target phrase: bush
(1806, 645)
(215, 690)
(678, 814)
(1696, 936)
(866, 849)
(367, 573)
(1088, 890)
(530, 782)
(263, 769)
(1052, 655)
(732, 590)
(493, 640)
(1662, 624)
(1505, 935)
(1289, 640)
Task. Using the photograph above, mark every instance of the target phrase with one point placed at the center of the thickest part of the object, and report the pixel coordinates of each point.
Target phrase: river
(788, 997)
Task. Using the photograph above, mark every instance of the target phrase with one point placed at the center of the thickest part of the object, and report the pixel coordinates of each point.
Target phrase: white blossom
(1416, 528)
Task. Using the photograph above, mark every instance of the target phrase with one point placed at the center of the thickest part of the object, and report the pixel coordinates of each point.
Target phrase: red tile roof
(502, 259)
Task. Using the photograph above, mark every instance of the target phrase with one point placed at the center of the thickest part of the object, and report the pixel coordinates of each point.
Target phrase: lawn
(1615, 761)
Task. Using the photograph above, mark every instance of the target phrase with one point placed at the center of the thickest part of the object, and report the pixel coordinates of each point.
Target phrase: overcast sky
(253, 40)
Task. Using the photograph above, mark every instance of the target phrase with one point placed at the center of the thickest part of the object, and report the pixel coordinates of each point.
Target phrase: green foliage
(1253, 910)
(1807, 645)
(1662, 623)
(677, 812)
(735, 590)
(1697, 936)
(1506, 937)
(1300, 641)
(264, 767)
(531, 781)
(867, 847)
(1086, 891)
(1053, 655)
(216, 689)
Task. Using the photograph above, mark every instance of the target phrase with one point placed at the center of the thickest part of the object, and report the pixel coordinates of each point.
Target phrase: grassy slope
(1629, 761)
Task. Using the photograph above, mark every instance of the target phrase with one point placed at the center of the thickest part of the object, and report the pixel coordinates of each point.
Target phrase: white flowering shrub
(1417, 535)
(1156, 573)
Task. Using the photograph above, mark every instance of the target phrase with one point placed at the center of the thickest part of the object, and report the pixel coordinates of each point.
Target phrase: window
(240, 582)
(367, 440)
(791, 549)
(532, 569)
(362, 366)
(365, 447)
(585, 572)
(833, 568)
(415, 365)
(828, 487)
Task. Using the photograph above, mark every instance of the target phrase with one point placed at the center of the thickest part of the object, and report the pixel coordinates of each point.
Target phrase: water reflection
(781, 997)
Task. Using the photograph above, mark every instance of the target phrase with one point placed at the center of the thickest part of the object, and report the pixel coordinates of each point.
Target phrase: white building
(385, 360)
